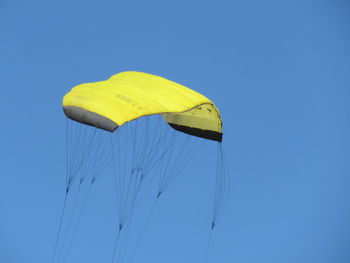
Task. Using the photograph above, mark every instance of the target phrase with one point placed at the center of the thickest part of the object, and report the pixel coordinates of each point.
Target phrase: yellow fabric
(204, 117)
(129, 95)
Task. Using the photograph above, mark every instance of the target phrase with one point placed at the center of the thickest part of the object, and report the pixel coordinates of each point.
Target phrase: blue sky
(278, 71)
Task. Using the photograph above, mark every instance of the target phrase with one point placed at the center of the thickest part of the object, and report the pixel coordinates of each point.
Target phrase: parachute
(130, 95)
(144, 127)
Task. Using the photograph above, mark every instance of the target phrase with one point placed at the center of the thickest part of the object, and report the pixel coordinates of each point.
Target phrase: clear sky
(279, 72)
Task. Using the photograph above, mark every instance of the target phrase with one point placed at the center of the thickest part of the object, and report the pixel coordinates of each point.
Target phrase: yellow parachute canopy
(130, 95)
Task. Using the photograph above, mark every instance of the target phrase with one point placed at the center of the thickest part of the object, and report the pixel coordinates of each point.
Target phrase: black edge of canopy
(206, 134)
(89, 118)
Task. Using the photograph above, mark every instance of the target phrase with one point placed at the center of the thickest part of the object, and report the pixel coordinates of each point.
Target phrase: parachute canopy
(130, 95)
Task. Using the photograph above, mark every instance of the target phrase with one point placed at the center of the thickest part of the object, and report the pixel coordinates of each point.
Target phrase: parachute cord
(60, 227)
(73, 149)
(128, 223)
(180, 163)
(221, 195)
(67, 153)
(119, 199)
(116, 243)
(114, 178)
(77, 223)
(206, 252)
(66, 194)
(142, 191)
(124, 246)
(128, 198)
(133, 199)
(69, 224)
(144, 228)
(222, 187)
